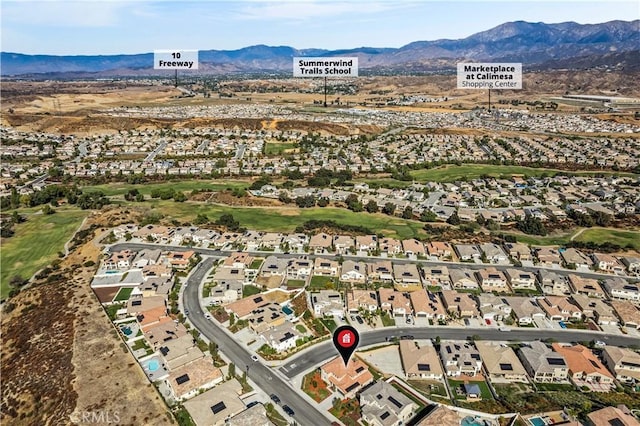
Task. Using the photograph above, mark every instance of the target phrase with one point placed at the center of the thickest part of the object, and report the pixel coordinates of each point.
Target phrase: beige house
(325, 267)
(420, 362)
(623, 362)
(501, 363)
(346, 380)
(459, 305)
(543, 364)
(366, 300)
(491, 279)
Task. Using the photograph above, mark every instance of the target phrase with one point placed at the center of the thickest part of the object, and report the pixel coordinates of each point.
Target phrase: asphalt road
(325, 351)
(449, 265)
(266, 378)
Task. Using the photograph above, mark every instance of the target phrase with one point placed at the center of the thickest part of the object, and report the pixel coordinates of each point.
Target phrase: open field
(36, 243)
(120, 188)
(286, 219)
(473, 171)
(279, 148)
(623, 238)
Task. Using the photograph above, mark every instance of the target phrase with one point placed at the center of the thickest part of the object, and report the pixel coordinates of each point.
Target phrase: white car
(254, 358)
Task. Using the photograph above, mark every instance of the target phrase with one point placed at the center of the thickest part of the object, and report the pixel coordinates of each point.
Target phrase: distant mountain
(536, 44)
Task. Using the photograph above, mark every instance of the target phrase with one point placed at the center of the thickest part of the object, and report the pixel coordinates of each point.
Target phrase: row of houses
(322, 243)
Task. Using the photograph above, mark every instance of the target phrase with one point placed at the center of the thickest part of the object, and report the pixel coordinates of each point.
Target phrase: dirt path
(577, 234)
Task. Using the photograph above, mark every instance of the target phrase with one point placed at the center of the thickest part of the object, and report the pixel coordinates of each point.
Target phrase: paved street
(270, 381)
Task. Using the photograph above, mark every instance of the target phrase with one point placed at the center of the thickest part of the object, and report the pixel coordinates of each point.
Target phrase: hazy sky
(109, 27)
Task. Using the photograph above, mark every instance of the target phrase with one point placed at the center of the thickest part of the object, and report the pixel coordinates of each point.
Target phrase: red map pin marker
(346, 339)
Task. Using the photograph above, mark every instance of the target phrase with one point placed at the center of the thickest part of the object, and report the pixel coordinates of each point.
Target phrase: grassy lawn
(123, 294)
(322, 282)
(315, 387)
(120, 188)
(295, 283)
(451, 173)
(548, 240)
(429, 387)
(250, 290)
(286, 219)
(621, 237)
(329, 323)
(275, 416)
(277, 148)
(36, 243)
(301, 328)
(387, 320)
(256, 264)
(484, 389)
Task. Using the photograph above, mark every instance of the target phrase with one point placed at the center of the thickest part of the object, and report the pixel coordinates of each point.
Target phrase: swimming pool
(153, 365)
(287, 310)
(537, 421)
(472, 421)
(126, 330)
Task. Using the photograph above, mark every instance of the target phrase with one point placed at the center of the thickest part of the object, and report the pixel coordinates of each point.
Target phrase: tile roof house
(384, 405)
(394, 302)
(560, 308)
(623, 362)
(353, 272)
(628, 312)
(427, 305)
(501, 363)
(346, 380)
(585, 368)
(463, 279)
(459, 305)
(524, 309)
(362, 299)
(552, 283)
(614, 416)
(327, 303)
(491, 279)
(420, 362)
(543, 364)
(460, 357)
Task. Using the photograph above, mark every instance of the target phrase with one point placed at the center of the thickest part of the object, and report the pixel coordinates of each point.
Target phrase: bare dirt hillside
(61, 356)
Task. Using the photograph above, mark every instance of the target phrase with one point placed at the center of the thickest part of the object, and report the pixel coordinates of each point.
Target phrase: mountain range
(537, 45)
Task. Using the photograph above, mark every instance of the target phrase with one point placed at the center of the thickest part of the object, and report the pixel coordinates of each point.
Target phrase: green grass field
(123, 294)
(277, 148)
(288, 218)
(473, 171)
(36, 243)
(621, 237)
(120, 188)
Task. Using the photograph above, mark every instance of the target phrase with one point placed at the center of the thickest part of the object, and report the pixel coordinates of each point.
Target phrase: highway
(325, 351)
(268, 380)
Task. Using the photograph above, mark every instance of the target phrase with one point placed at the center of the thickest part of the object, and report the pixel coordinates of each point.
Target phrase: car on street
(275, 398)
(288, 410)
(254, 358)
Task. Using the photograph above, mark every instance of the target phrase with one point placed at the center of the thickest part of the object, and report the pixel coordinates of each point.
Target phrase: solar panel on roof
(506, 367)
(359, 369)
(136, 303)
(352, 387)
(164, 350)
(182, 379)
(424, 367)
(385, 415)
(218, 407)
(395, 402)
(556, 361)
(258, 299)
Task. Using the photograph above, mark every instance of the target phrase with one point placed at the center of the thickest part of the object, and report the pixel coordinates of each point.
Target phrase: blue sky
(136, 26)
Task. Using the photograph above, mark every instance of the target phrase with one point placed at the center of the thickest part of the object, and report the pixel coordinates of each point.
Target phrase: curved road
(267, 379)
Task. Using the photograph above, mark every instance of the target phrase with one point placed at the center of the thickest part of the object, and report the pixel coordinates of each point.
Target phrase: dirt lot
(62, 358)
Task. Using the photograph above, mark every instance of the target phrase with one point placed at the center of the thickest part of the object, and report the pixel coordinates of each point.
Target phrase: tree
(428, 216)
(229, 222)
(201, 219)
(389, 208)
(323, 202)
(407, 213)
(232, 318)
(213, 350)
(353, 203)
(372, 206)
(454, 219)
(179, 197)
(47, 209)
(139, 197)
(232, 370)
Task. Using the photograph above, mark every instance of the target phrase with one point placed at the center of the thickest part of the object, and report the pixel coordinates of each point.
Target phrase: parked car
(275, 398)
(288, 410)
